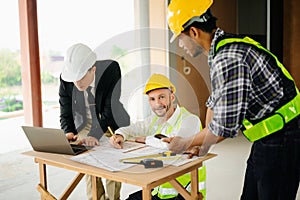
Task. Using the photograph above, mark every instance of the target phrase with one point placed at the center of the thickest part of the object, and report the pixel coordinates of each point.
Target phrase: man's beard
(166, 110)
(198, 50)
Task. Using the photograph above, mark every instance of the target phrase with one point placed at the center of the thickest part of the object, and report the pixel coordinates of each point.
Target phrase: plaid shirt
(246, 83)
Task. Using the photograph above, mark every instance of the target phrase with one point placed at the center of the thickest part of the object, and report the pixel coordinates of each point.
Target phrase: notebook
(51, 140)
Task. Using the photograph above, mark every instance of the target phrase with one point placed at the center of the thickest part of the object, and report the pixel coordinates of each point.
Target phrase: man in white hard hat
(167, 119)
(89, 108)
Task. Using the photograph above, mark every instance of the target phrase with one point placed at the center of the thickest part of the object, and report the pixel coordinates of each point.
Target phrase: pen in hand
(111, 132)
(116, 140)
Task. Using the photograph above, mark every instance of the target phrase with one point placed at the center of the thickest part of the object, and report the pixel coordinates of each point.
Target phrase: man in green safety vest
(167, 119)
(251, 92)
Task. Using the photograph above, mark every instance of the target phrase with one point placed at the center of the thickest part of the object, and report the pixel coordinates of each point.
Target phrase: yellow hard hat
(158, 81)
(181, 11)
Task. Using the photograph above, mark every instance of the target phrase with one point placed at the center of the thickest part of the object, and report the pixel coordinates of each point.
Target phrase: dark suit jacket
(107, 94)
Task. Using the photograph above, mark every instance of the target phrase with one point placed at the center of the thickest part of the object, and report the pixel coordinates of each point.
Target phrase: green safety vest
(166, 190)
(280, 117)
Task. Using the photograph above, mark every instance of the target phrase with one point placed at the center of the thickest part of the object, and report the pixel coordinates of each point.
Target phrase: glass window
(64, 23)
(61, 24)
(11, 105)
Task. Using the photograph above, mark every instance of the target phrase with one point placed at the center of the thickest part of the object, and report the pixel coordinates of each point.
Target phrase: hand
(116, 141)
(140, 139)
(71, 137)
(178, 144)
(197, 151)
(89, 141)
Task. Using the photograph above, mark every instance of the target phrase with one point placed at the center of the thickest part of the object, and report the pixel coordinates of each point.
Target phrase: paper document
(132, 146)
(107, 157)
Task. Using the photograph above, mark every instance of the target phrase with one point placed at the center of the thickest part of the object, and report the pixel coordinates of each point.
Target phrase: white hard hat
(80, 58)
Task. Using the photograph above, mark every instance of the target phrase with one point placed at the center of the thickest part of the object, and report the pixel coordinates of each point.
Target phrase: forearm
(128, 133)
(209, 115)
(205, 137)
(67, 124)
(66, 110)
(134, 130)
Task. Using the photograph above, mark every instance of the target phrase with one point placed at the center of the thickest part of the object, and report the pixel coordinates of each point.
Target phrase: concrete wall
(291, 42)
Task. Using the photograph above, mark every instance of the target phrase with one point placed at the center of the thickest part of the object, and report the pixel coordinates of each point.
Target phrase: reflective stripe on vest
(281, 116)
(171, 192)
(166, 190)
(273, 123)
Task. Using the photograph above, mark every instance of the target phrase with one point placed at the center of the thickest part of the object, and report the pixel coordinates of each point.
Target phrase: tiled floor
(19, 174)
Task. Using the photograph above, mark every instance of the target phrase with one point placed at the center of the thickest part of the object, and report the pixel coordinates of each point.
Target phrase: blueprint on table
(107, 157)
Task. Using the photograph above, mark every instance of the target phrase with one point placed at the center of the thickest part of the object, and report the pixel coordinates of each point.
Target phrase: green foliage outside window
(10, 68)
(10, 79)
(10, 104)
(48, 78)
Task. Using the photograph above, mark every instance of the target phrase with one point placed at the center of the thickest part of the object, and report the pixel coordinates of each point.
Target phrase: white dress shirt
(87, 106)
(181, 123)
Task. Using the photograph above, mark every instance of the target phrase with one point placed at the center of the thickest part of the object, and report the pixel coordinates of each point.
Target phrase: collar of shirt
(93, 87)
(219, 32)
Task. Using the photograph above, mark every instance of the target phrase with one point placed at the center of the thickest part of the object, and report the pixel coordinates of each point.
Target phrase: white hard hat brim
(69, 75)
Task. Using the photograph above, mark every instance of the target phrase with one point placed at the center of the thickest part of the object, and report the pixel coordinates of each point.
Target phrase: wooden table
(147, 179)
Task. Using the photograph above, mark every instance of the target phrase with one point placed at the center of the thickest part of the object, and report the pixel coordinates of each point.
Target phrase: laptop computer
(51, 140)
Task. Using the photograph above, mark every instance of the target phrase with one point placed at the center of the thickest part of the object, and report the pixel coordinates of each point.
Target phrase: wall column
(30, 63)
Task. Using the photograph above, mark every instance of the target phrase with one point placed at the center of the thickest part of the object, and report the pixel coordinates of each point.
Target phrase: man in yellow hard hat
(251, 92)
(168, 119)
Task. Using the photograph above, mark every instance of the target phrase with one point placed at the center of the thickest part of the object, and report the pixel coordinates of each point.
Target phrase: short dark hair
(207, 26)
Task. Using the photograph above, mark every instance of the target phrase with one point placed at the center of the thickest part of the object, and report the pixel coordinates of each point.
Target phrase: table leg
(94, 188)
(43, 175)
(44, 193)
(194, 184)
(180, 189)
(71, 187)
(42, 187)
(147, 193)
